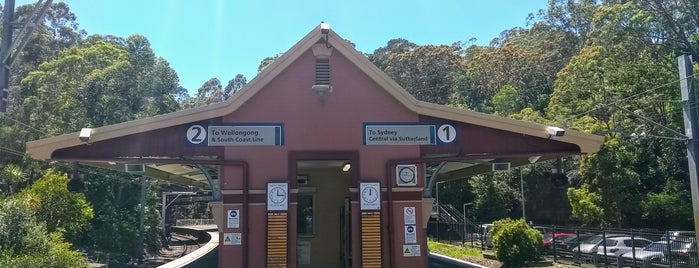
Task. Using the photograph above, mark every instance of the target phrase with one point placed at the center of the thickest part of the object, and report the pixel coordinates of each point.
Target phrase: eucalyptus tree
(621, 80)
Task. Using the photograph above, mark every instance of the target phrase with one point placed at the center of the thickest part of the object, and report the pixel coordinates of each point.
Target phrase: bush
(516, 243)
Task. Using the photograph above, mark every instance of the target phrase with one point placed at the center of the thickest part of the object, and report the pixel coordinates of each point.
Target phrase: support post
(691, 127)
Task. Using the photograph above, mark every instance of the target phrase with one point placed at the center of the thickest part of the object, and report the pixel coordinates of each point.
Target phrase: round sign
(446, 133)
(410, 229)
(196, 134)
(234, 214)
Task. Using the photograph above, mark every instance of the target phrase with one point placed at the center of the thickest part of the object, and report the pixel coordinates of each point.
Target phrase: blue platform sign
(408, 134)
(235, 135)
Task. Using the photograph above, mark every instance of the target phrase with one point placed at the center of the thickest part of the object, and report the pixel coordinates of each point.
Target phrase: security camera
(324, 27)
(555, 131)
(85, 135)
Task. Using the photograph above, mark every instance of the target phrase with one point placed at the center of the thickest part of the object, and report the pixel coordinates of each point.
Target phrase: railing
(192, 222)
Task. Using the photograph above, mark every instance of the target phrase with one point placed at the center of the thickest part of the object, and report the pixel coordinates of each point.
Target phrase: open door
(323, 220)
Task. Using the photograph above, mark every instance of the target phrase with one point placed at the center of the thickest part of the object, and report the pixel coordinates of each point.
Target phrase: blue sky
(220, 38)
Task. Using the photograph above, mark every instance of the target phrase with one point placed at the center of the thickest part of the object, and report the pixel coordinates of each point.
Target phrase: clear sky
(206, 39)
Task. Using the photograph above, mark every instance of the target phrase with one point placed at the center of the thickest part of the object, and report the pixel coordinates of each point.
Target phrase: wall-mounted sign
(406, 175)
(277, 196)
(410, 235)
(232, 239)
(408, 134)
(409, 215)
(369, 196)
(233, 218)
(235, 135)
(411, 250)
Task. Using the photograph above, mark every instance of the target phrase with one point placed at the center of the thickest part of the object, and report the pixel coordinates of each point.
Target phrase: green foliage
(61, 210)
(505, 101)
(25, 241)
(585, 204)
(493, 197)
(669, 209)
(516, 243)
(452, 251)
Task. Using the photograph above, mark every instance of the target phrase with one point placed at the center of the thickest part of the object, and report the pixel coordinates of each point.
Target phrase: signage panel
(408, 134)
(236, 135)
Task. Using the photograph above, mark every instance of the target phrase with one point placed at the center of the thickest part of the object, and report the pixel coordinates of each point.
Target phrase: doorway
(323, 213)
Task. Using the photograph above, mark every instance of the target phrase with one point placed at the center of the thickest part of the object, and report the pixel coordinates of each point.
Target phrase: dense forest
(602, 67)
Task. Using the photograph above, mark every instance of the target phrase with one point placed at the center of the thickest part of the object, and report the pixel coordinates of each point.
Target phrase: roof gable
(43, 149)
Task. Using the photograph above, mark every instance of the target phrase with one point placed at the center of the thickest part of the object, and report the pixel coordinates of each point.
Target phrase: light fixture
(321, 89)
(346, 167)
(533, 159)
(86, 135)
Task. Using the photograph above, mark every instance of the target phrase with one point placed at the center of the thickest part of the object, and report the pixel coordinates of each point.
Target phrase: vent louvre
(322, 72)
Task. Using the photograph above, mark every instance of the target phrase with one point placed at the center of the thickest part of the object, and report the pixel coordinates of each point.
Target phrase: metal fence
(194, 222)
(607, 247)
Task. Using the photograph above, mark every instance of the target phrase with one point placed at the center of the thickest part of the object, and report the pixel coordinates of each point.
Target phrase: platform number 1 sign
(446, 133)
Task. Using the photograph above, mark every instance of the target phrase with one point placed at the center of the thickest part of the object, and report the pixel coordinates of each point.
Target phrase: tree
(235, 85)
(427, 72)
(493, 197)
(586, 205)
(669, 209)
(25, 241)
(12, 176)
(210, 92)
(61, 210)
(505, 101)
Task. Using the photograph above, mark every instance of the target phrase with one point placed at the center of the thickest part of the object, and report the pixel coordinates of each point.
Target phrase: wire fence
(598, 247)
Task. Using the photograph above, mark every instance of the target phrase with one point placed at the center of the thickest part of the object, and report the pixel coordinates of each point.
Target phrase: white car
(652, 253)
(615, 246)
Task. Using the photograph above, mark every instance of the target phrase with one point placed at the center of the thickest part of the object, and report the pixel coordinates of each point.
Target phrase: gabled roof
(43, 149)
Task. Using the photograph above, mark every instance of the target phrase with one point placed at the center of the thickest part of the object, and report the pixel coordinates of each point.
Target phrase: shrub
(516, 243)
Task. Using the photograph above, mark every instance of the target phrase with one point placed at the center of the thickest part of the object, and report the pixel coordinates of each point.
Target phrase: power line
(23, 124)
(606, 105)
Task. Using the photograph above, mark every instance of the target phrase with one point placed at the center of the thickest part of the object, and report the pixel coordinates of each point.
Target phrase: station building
(320, 161)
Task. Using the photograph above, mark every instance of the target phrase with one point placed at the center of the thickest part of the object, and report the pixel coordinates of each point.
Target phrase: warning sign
(233, 218)
(409, 215)
(411, 250)
(232, 239)
(410, 236)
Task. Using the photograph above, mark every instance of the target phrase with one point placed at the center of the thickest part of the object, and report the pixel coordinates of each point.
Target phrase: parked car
(549, 239)
(589, 246)
(571, 242)
(653, 253)
(683, 253)
(615, 246)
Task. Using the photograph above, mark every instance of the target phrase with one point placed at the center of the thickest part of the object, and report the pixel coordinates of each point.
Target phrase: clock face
(406, 175)
(370, 194)
(277, 195)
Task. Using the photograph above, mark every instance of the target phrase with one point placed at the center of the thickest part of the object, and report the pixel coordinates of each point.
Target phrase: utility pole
(8, 49)
(7, 27)
(691, 128)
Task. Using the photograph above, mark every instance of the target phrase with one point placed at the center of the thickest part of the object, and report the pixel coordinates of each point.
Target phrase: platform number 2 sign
(196, 134)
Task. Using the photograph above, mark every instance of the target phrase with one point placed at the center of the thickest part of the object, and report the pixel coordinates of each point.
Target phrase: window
(306, 218)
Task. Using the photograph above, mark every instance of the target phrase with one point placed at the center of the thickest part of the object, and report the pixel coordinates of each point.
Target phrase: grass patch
(452, 251)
